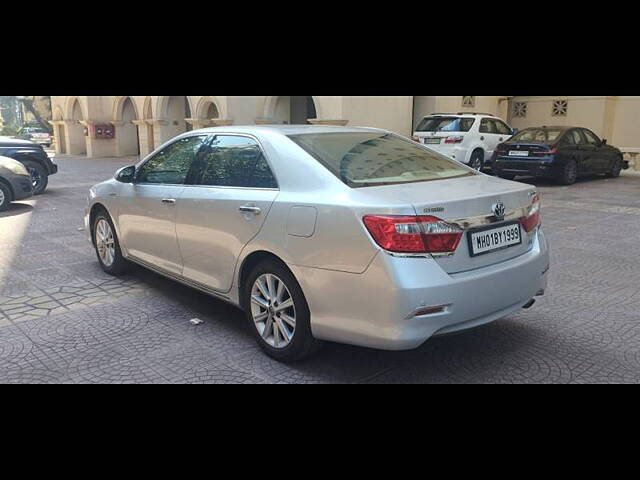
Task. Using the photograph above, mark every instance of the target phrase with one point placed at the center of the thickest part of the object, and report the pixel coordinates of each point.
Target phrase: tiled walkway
(63, 320)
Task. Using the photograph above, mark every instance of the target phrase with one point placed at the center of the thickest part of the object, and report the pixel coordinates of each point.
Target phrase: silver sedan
(352, 235)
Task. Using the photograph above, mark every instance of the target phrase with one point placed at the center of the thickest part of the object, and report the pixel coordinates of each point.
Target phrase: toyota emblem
(498, 211)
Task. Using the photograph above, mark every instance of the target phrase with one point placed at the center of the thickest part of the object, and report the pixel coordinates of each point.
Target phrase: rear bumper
(376, 309)
(533, 168)
(452, 151)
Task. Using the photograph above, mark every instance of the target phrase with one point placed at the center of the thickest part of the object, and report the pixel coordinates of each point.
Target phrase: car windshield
(538, 135)
(445, 124)
(364, 159)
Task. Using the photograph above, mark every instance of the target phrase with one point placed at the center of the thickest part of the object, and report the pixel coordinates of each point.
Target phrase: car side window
(487, 126)
(568, 139)
(234, 161)
(466, 124)
(171, 165)
(590, 137)
(577, 137)
(502, 128)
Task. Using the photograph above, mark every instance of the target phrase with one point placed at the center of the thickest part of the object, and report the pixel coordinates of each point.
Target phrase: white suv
(469, 138)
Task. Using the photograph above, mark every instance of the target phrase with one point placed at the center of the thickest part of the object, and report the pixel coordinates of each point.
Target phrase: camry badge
(498, 211)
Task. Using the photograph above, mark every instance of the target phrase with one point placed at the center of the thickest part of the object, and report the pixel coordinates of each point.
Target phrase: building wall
(154, 119)
(390, 113)
(612, 117)
(626, 122)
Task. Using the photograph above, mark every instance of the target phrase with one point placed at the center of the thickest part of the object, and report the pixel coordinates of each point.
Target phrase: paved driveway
(63, 320)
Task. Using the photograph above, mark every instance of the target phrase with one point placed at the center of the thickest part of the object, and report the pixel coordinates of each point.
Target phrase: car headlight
(15, 167)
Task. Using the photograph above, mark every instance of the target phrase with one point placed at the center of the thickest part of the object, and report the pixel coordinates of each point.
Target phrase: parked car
(469, 138)
(15, 182)
(561, 153)
(352, 235)
(34, 158)
(35, 134)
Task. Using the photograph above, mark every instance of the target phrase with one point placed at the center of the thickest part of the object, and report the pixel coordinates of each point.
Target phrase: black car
(561, 153)
(33, 157)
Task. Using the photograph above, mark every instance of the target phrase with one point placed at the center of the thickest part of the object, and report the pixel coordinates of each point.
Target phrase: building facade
(142, 123)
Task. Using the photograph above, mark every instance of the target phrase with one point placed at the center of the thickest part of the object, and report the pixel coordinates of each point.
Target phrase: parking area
(63, 320)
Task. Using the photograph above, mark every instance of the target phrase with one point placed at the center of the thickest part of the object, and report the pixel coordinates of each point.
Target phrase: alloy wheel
(273, 310)
(105, 243)
(2, 198)
(36, 177)
(476, 162)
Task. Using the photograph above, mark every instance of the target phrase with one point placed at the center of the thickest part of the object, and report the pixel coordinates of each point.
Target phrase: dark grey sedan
(15, 182)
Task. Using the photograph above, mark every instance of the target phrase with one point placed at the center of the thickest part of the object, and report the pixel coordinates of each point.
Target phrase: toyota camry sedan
(319, 233)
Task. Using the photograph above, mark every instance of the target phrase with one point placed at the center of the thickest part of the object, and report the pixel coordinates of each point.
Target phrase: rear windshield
(445, 124)
(364, 159)
(538, 135)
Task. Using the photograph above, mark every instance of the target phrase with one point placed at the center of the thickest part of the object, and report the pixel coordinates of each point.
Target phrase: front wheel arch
(95, 209)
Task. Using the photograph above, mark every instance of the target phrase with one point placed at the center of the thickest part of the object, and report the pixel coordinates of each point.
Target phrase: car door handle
(250, 209)
(169, 201)
(500, 138)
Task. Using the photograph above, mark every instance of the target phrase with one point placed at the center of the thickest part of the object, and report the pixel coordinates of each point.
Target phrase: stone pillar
(58, 136)
(127, 143)
(145, 131)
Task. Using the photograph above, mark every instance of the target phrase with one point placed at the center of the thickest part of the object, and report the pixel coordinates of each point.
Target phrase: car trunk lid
(469, 202)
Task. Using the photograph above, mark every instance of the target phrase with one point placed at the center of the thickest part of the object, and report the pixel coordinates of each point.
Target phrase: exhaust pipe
(529, 304)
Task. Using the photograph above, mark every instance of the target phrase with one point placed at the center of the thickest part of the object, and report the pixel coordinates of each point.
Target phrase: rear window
(538, 135)
(370, 159)
(445, 124)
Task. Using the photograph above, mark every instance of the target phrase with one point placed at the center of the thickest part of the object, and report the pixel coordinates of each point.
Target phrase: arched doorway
(293, 110)
(127, 134)
(211, 112)
(76, 139)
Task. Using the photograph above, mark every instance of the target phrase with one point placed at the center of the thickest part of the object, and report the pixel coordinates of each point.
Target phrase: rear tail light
(553, 151)
(416, 139)
(530, 222)
(454, 139)
(413, 234)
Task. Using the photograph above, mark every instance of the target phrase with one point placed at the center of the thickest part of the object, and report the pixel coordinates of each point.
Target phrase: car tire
(569, 173)
(39, 176)
(477, 160)
(107, 245)
(616, 168)
(5, 197)
(263, 300)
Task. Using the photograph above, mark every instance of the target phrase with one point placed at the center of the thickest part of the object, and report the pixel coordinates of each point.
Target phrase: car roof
(551, 127)
(461, 114)
(14, 142)
(286, 129)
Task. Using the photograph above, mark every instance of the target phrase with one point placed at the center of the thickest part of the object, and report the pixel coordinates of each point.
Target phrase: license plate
(490, 239)
(518, 153)
(432, 141)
